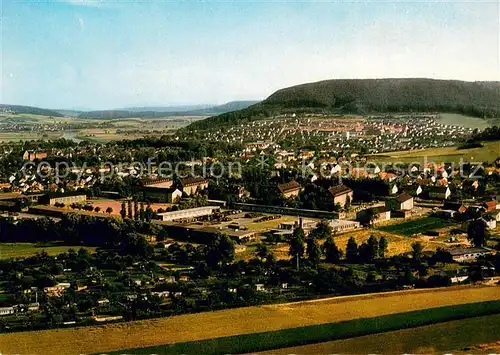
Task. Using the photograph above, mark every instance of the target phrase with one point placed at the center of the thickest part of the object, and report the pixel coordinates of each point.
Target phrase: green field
(416, 226)
(463, 121)
(23, 250)
(488, 153)
(448, 337)
(250, 343)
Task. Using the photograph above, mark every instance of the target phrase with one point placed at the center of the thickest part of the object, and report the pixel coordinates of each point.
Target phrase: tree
(262, 251)
(297, 241)
(142, 212)
(97, 209)
(383, 244)
(417, 249)
(352, 252)
(220, 251)
(313, 251)
(123, 211)
(332, 253)
(109, 210)
(136, 210)
(129, 209)
(347, 205)
(369, 250)
(322, 230)
(477, 233)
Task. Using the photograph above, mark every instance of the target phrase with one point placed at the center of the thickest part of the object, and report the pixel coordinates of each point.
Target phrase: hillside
(18, 109)
(168, 111)
(365, 96)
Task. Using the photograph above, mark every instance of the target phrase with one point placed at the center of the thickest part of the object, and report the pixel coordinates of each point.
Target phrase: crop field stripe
(248, 343)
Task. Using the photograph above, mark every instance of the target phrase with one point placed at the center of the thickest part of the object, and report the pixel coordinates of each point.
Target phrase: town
(113, 238)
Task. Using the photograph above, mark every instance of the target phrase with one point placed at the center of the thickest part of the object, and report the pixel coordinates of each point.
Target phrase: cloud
(82, 24)
(88, 3)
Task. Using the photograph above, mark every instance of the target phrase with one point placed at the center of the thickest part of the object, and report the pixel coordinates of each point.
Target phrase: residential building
(340, 194)
(34, 154)
(289, 189)
(379, 214)
(404, 202)
(193, 185)
(161, 194)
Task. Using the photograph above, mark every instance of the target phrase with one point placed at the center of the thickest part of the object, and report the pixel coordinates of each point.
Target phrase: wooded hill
(19, 109)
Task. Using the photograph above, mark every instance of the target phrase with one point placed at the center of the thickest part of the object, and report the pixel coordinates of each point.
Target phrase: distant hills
(132, 112)
(367, 96)
(18, 109)
(151, 112)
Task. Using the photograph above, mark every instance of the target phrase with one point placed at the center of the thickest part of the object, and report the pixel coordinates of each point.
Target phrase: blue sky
(111, 54)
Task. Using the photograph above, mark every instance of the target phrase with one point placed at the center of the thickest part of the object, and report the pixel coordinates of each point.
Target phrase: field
(257, 342)
(23, 250)
(416, 226)
(193, 327)
(464, 121)
(488, 153)
(27, 136)
(448, 337)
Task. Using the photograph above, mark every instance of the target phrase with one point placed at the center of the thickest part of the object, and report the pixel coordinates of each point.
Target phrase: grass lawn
(416, 226)
(24, 250)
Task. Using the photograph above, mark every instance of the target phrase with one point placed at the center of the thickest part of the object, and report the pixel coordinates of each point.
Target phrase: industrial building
(189, 213)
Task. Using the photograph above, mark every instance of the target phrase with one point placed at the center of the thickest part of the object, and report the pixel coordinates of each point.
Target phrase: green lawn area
(24, 250)
(250, 343)
(415, 226)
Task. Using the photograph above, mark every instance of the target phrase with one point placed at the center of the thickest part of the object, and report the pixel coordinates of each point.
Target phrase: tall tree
(477, 233)
(332, 253)
(313, 251)
(129, 209)
(297, 241)
(322, 230)
(352, 252)
(220, 251)
(383, 245)
(123, 211)
(136, 209)
(369, 250)
(416, 251)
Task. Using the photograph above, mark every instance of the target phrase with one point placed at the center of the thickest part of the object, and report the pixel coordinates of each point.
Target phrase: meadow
(463, 121)
(24, 250)
(488, 153)
(232, 322)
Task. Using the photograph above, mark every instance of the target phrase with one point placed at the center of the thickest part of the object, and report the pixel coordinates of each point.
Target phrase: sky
(78, 54)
